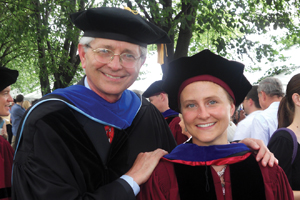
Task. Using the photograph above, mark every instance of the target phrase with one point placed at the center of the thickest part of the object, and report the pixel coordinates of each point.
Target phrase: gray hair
(271, 86)
(87, 40)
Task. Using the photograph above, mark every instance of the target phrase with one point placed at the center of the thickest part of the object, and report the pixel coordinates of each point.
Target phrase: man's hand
(144, 165)
(263, 152)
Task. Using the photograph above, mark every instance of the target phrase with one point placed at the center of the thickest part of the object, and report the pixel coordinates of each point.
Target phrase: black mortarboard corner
(205, 63)
(7, 77)
(154, 88)
(118, 24)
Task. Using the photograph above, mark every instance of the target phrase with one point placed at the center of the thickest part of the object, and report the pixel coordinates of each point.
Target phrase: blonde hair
(26, 104)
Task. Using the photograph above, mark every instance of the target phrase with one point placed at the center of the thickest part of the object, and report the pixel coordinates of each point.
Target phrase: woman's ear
(296, 99)
(232, 109)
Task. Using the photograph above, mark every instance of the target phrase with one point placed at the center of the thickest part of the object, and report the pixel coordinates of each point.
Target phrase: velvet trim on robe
(169, 112)
(169, 115)
(119, 114)
(194, 155)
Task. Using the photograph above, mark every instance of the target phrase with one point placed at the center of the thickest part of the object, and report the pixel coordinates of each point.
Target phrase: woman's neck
(295, 126)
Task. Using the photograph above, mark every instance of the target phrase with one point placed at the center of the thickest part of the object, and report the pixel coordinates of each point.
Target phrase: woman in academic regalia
(7, 77)
(205, 88)
(282, 144)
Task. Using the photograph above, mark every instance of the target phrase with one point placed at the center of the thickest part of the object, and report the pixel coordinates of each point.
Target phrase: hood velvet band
(119, 114)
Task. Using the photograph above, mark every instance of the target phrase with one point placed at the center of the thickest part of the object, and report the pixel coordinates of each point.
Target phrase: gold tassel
(133, 11)
(160, 53)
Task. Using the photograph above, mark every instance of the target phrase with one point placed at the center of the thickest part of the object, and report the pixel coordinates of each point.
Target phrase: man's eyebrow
(123, 51)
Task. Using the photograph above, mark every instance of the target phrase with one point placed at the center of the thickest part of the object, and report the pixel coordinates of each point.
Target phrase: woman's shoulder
(162, 184)
(281, 134)
(165, 169)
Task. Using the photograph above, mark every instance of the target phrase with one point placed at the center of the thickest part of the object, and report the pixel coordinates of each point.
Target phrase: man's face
(111, 79)
(5, 100)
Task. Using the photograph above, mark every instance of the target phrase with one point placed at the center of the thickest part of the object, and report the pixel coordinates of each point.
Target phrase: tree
(44, 36)
(11, 33)
(52, 38)
(222, 26)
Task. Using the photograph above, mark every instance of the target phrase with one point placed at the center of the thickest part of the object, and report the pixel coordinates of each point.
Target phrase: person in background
(282, 143)
(3, 131)
(184, 130)
(205, 88)
(7, 78)
(26, 104)
(16, 114)
(252, 108)
(34, 101)
(238, 115)
(160, 100)
(231, 131)
(137, 92)
(264, 124)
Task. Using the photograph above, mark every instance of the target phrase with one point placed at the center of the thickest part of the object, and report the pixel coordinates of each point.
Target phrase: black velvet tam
(118, 24)
(7, 77)
(153, 89)
(205, 63)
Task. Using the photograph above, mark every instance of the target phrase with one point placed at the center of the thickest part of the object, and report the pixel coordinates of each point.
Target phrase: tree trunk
(185, 32)
(68, 69)
(43, 73)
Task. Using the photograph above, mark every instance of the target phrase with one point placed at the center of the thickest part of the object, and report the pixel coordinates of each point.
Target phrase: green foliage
(38, 39)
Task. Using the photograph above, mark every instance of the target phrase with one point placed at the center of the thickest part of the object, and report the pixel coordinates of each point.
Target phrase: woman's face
(5, 100)
(206, 111)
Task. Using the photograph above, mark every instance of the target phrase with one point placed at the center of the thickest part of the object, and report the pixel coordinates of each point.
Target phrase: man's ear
(263, 95)
(251, 102)
(163, 95)
(81, 53)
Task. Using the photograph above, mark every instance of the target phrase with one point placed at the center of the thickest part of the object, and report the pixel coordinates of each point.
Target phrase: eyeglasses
(105, 56)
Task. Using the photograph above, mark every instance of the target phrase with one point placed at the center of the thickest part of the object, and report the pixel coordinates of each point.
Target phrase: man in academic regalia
(7, 77)
(160, 100)
(85, 141)
(81, 142)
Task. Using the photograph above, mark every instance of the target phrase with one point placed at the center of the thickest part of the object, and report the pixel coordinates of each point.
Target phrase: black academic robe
(64, 155)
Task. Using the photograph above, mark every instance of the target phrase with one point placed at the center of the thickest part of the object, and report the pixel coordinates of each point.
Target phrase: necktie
(110, 131)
